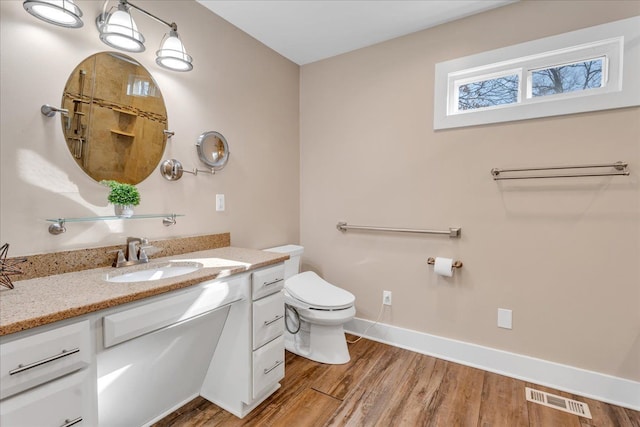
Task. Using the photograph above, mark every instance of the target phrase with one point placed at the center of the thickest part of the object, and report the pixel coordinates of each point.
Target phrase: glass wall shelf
(57, 226)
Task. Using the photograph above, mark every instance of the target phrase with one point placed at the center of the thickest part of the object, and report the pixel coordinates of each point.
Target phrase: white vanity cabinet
(249, 360)
(46, 377)
(154, 353)
(132, 364)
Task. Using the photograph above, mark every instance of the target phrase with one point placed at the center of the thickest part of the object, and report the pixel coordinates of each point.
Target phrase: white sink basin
(171, 269)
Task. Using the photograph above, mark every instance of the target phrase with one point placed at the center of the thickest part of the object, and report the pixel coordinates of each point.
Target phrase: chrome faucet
(132, 248)
(135, 253)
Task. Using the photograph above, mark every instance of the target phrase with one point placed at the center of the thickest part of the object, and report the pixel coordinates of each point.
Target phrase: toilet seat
(316, 293)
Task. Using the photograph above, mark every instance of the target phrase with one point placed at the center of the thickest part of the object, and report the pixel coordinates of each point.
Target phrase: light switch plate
(219, 202)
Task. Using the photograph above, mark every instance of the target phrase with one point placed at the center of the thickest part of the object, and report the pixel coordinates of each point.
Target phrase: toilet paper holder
(456, 264)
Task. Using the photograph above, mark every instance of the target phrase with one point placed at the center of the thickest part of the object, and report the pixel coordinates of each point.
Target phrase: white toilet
(315, 312)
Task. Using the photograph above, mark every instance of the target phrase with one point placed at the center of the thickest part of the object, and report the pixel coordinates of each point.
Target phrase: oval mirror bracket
(50, 111)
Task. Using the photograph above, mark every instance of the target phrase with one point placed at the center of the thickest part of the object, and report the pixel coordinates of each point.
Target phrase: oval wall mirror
(117, 118)
(213, 149)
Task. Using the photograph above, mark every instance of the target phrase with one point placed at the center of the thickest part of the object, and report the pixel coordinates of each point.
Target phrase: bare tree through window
(567, 78)
(488, 93)
(503, 90)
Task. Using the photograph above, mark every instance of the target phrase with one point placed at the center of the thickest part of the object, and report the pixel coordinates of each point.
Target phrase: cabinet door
(35, 359)
(268, 366)
(58, 403)
(268, 319)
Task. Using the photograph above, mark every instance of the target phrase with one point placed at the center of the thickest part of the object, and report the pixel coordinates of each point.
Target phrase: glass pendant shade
(119, 31)
(58, 12)
(172, 54)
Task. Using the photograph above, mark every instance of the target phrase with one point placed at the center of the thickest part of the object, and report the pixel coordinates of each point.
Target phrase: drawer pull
(275, 319)
(64, 353)
(272, 282)
(69, 423)
(278, 363)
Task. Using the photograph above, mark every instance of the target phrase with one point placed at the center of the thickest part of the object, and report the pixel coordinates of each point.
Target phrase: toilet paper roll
(443, 266)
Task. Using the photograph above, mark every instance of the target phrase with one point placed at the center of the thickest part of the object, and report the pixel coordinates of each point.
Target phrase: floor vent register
(558, 402)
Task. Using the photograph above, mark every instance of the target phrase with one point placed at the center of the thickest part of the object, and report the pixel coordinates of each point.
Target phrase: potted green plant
(123, 197)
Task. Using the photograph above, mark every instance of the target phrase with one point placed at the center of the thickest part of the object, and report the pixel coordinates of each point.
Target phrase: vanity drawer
(267, 281)
(36, 359)
(268, 365)
(268, 319)
(152, 316)
(59, 403)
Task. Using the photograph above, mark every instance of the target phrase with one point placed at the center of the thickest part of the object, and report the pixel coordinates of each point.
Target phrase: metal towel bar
(620, 169)
(452, 232)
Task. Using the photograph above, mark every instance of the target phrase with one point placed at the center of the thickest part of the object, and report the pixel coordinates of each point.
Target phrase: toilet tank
(292, 265)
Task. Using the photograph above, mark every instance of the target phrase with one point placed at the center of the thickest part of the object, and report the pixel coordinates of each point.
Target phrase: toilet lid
(310, 288)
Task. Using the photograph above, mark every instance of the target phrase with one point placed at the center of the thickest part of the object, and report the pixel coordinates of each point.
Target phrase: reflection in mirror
(213, 149)
(171, 169)
(117, 120)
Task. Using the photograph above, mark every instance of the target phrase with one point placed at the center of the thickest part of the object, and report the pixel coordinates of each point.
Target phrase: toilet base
(324, 344)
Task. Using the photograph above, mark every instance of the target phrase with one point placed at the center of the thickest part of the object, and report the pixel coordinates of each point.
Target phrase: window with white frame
(586, 70)
(141, 86)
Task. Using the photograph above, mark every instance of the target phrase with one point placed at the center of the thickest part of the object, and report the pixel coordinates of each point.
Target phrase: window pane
(488, 93)
(567, 78)
(140, 86)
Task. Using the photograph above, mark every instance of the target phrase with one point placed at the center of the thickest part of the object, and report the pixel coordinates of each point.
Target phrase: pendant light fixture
(118, 30)
(58, 12)
(172, 54)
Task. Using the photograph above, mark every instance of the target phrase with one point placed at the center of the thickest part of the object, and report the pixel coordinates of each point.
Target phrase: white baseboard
(594, 385)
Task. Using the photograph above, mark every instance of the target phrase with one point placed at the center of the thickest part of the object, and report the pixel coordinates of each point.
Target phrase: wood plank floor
(387, 386)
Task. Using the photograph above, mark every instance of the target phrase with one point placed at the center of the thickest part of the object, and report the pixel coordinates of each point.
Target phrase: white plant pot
(123, 211)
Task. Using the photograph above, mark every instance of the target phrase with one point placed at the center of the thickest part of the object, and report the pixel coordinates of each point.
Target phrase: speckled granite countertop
(39, 301)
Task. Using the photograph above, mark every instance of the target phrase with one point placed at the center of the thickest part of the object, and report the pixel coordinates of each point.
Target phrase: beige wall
(238, 87)
(564, 255)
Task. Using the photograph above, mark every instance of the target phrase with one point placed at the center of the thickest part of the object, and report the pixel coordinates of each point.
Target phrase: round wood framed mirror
(117, 118)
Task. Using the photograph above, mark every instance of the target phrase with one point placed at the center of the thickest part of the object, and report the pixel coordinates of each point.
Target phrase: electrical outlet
(505, 319)
(386, 297)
